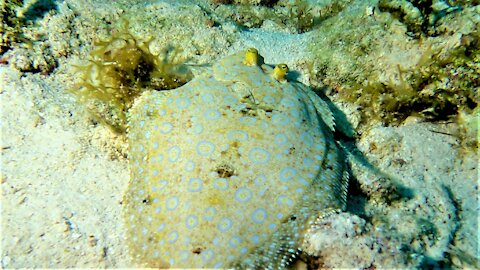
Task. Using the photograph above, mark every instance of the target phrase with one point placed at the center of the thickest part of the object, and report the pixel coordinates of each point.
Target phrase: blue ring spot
(225, 224)
(320, 146)
(161, 227)
(243, 195)
(191, 221)
(308, 162)
(260, 180)
(307, 138)
(166, 127)
(259, 215)
(172, 237)
(235, 241)
(240, 107)
(229, 99)
(182, 103)
(221, 184)
(205, 148)
(162, 184)
(210, 213)
(187, 240)
(173, 153)
(184, 255)
(303, 181)
(268, 99)
(172, 203)
(248, 120)
(287, 174)
(189, 166)
(207, 255)
(256, 239)
(207, 97)
(195, 184)
(197, 129)
(258, 156)
(287, 102)
(280, 138)
(280, 118)
(212, 114)
(296, 114)
(284, 200)
(237, 135)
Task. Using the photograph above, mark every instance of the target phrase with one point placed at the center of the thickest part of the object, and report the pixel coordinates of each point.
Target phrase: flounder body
(230, 169)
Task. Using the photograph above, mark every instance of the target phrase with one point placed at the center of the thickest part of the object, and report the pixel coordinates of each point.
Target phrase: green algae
(120, 69)
(11, 24)
(442, 83)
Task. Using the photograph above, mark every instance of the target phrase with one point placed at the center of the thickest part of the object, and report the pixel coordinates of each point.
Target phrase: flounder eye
(280, 72)
(251, 57)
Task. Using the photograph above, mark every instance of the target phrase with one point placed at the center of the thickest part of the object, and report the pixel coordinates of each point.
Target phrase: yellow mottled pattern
(229, 170)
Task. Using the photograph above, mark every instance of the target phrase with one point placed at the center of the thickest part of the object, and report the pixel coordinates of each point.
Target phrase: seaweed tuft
(11, 24)
(443, 84)
(120, 69)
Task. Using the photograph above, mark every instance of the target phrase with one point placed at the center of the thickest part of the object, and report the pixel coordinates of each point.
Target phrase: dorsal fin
(320, 105)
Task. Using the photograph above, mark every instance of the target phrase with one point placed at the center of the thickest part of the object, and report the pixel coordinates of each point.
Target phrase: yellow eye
(280, 72)
(251, 57)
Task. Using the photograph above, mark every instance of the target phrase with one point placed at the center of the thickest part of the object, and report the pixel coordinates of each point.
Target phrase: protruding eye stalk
(280, 72)
(251, 57)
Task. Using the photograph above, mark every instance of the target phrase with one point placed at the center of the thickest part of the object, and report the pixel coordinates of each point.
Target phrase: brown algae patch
(230, 169)
(119, 70)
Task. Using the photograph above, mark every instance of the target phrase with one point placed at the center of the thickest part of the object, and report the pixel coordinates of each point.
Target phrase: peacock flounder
(230, 169)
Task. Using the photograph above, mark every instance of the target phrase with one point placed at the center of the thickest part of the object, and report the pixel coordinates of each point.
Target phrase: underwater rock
(419, 16)
(231, 169)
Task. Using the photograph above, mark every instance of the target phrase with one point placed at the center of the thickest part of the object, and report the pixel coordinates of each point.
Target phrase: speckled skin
(230, 170)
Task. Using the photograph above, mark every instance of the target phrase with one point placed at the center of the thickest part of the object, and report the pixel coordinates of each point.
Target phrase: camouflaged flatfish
(231, 169)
